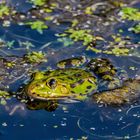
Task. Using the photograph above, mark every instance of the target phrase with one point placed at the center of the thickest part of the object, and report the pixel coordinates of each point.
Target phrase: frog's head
(46, 87)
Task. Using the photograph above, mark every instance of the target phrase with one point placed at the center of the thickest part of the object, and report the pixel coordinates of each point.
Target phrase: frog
(62, 84)
(79, 83)
(68, 81)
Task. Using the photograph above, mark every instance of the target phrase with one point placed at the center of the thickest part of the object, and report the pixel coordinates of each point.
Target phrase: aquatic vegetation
(117, 51)
(136, 29)
(83, 35)
(35, 57)
(37, 25)
(74, 22)
(118, 46)
(130, 13)
(66, 41)
(10, 64)
(2, 43)
(38, 2)
(3, 97)
(4, 10)
(89, 10)
(93, 49)
(8, 44)
(26, 44)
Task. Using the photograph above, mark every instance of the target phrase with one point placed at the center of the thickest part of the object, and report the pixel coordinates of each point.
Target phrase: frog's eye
(52, 83)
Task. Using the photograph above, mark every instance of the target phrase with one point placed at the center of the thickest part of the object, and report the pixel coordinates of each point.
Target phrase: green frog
(80, 84)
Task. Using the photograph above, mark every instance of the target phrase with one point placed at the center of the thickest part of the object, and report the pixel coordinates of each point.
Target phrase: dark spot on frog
(77, 83)
(72, 85)
(62, 73)
(37, 85)
(77, 74)
(80, 81)
(38, 94)
(47, 73)
(72, 92)
(61, 79)
(89, 87)
(70, 78)
(33, 93)
(86, 91)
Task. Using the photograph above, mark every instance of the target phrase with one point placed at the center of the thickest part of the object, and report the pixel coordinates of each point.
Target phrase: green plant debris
(74, 22)
(117, 51)
(136, 29)
(83, 138)
(119, 3)
(93, 49)
(2, 43)
(38, 25)
(3, 97)
(35, 57)
(48, 18)
(55, 126)
(66, 41)
(4, 10)
(118, 46)
(130, 13)
(132, 68)
(38, 2)
(10, 44)
(47, 10)
(3, 94)
(10, 64)
(88, 10)
(81, 35)
(26, 44)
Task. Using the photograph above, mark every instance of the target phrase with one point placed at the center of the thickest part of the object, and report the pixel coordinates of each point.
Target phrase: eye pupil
(52, 83)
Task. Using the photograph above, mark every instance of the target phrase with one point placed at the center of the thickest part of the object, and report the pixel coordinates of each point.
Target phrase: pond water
(83, 120)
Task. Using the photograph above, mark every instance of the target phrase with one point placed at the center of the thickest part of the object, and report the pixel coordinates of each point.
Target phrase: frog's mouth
(44, 94)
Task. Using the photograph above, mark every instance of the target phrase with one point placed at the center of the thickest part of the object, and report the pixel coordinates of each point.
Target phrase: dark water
(70, 121)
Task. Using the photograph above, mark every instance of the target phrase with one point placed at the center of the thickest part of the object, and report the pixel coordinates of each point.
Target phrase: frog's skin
(128, 93)
(61, 84)
(76, 83)
(72, 62)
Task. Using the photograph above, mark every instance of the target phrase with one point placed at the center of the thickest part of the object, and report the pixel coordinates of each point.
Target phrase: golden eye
(52, 83)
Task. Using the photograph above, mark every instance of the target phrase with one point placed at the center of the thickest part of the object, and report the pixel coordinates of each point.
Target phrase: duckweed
(35, 57)
(136, 29)
(81, 35)
(4, 95)
(117, 51)
(38, 25)
(4, 10)
(66, 41)
(130, 13)
(38, 2)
